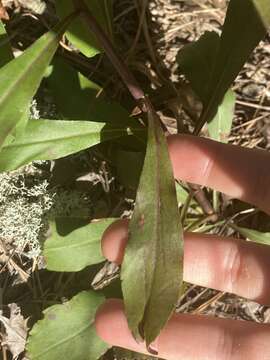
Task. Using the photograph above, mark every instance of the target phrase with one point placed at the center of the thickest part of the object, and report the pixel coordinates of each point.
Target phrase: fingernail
(152, 348)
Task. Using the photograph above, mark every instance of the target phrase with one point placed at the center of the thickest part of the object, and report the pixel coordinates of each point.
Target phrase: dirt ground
(149, 34)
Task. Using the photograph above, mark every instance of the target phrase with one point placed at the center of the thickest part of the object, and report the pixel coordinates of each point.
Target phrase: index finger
(237, 171)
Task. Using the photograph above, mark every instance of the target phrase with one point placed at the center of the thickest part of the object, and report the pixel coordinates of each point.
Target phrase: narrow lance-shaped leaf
(254, 235)
(20, 79)
(242, 31)
(152, 268)
(6, 55)
(53, 139)
(67, 331)
(77, 249)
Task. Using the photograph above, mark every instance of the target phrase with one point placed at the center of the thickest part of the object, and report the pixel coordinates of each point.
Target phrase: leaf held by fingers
(152, 272)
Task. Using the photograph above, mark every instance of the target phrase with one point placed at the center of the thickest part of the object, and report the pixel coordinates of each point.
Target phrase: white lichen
(24, 203)
(27, 202)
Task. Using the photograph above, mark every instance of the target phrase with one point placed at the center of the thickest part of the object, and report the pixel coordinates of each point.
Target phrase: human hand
(226, 264)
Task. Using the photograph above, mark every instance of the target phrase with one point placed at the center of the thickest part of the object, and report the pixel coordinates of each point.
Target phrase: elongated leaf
(220, 126)
(77, 249)
(152, 268)
(20, 78)
(78, 33)
(254, 235)
(5, 48)
(67, 331)
(53, 139)
(242, 31)
(6, 55)
(263, 7)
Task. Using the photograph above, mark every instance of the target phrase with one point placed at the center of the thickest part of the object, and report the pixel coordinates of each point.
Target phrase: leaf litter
(16, 330)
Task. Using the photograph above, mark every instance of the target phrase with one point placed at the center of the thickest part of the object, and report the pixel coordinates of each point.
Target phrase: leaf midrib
(157, 207)
(14, 145)
(84, 244)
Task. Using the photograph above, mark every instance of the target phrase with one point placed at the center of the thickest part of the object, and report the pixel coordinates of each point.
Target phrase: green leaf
(75, 96)
(242, 31)
(152, 268)
(20, 79)
(75, 250)
(196, 61)
(253, 235)
(6, 54)
(181, 193)
(73, 93)
(78, 33)
(67, 331)
(53, 139)
(263, 8)
(220, 126)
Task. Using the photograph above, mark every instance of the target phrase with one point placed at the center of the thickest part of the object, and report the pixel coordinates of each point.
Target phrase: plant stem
(203, 201)
(127, 77)
(216, 201)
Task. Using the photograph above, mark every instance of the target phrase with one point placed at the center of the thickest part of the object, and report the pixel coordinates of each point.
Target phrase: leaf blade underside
(152, 269)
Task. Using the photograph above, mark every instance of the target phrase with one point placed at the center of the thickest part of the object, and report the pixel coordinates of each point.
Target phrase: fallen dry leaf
(16, 331)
